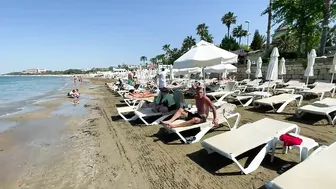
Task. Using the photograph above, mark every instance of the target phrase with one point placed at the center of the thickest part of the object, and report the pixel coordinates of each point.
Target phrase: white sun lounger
(247, 137)
(147, 112)
(264, 86)
(204, 127)
(316, 172)
(228, 90)
(283, 99)
(321, 89)
(254, 83)
(134, 101)
(324, 107)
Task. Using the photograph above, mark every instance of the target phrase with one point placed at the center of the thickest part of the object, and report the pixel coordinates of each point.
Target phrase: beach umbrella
(221, 68)
(282, 69)
(248, 69)
(333, 68)
(272, 69)
(258, 73)
(205, 54)
(310, 65)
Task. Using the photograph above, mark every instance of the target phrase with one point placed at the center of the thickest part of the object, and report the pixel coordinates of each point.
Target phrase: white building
(34, 71)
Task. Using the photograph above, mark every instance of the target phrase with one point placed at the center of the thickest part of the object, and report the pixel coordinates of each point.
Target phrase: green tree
(329, 7)
(239, 32)
(228, 19)
(203, 32)
(301, 16)
(187, 43)
(331, 36)
(229, 43)
(160, 58)
(153, 60)
(143, 59)
(286, 42)
(257, 41)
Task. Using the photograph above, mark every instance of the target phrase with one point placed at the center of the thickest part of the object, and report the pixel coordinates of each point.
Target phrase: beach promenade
(89, 146)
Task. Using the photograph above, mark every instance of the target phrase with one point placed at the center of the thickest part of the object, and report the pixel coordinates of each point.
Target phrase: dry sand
(107, 152)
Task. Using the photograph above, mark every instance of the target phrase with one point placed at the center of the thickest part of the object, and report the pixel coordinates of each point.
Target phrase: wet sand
(101, 150)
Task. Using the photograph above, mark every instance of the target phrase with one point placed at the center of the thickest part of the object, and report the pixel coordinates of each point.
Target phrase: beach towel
(166, 100)
(290, 140)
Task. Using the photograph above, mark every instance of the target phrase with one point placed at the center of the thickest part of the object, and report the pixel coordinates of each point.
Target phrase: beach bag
(290, 140)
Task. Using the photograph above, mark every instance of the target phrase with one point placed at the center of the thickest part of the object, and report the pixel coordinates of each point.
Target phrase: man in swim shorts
(202, 103)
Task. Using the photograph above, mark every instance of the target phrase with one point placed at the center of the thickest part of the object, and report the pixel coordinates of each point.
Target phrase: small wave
(21, 108)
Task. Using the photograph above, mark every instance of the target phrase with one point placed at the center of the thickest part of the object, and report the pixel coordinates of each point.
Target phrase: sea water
(18, 92)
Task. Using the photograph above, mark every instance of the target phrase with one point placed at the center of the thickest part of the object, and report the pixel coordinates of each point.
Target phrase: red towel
(290, 140)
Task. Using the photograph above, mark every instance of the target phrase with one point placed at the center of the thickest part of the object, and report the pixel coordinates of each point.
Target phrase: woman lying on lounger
(164, 102)
(146, 94)
(202, 103)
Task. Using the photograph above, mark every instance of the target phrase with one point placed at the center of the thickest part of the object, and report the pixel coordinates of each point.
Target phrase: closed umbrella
(258, 71)
(333, 68)
(310, 65)
(248, 69)
(272, 69)
(282, 69)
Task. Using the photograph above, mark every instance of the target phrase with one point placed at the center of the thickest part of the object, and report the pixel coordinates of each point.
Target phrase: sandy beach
(95, 148)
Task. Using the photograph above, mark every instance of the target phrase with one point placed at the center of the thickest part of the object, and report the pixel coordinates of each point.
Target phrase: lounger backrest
(178, 98)
(326, 86)
(230, 86)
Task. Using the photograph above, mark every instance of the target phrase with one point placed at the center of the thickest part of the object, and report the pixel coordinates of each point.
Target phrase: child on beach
(76, 95)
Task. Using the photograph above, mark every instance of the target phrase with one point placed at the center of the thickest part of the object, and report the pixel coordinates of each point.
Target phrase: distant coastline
(41, 75)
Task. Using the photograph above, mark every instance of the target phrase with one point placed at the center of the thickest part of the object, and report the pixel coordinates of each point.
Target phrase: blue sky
(62, 34)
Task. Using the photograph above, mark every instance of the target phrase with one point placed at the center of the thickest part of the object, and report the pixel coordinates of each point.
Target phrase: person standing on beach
(130, 78)
(203, 105)
(162, 79)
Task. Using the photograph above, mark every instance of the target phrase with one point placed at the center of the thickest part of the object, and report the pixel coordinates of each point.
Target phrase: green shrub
(290, 55)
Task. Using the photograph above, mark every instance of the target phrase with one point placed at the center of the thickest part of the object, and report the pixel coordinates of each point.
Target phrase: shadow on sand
(214, 162)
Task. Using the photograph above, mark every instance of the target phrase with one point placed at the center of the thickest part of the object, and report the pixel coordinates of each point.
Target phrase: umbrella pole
(307, 81)
(332, 78)
(269, 83)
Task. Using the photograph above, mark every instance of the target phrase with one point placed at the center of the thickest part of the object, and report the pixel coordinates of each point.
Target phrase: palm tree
(166, 48)
(203, 32)
(228, 19)
(153, 60)
(143, 59)
(239, 32)
(160, 58)
(269, 24)
(188, 42)
(285, 42)
(326, 16)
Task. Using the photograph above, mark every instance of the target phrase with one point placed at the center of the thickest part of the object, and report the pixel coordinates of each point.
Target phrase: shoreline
(101, 150)
(35, 139)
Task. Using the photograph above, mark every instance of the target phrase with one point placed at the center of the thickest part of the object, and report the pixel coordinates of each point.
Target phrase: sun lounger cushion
(247, 137)
(277, 99)
(317, 171)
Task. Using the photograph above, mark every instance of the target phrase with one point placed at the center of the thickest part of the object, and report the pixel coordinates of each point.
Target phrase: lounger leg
(236, 122)
(248, 102)
(182, 137)
(322, 95)
(283, 106)
(200, 135)
(143, 120)
(257, 160)
(330, 120)
(128, 119)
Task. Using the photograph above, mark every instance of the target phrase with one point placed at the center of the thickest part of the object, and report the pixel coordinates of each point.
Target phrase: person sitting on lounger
(146, 94)
(164, 102)
(202, 104)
